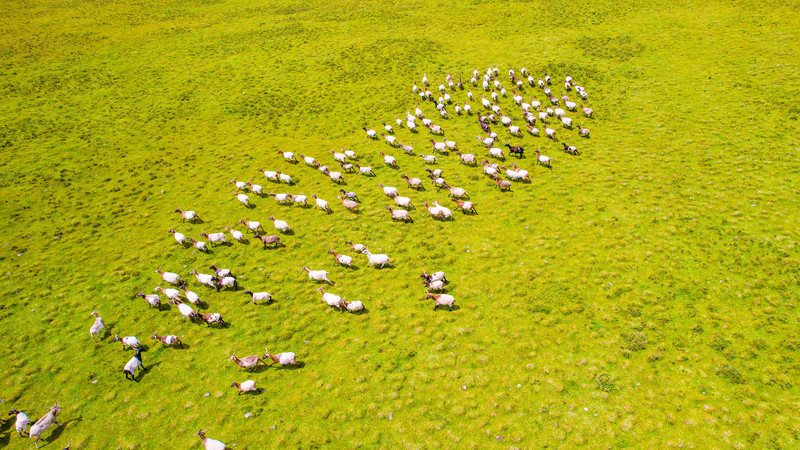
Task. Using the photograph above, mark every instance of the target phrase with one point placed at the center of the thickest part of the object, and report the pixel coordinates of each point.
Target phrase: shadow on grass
(446, 309)
(59, 430)
(108, 332)
(258, 369)
(216, 326)
(298, 366)
(147, 370)
(6, 429)
(273, 246)
(174, 347)
(360, 313)
(249, 393)
(142, 345)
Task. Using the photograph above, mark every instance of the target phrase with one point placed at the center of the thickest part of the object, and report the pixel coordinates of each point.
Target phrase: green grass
(641, 294)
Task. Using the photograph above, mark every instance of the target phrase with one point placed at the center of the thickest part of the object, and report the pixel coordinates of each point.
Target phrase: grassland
(642, 294)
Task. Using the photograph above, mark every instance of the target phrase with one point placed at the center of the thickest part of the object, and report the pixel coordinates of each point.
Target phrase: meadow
(641, 294)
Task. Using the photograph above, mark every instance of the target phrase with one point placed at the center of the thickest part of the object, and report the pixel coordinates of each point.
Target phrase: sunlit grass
(641, 294)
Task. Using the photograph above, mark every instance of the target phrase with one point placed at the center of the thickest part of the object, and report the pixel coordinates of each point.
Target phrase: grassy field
(642, 294)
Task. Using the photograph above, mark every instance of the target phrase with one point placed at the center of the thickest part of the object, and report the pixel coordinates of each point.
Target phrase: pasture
(640, 294)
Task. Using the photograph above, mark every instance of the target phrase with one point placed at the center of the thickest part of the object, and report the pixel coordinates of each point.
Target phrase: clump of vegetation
(719, 343)
(605, 382)
(635, 341)
(730, 373)
(794, 112)
(759, 344)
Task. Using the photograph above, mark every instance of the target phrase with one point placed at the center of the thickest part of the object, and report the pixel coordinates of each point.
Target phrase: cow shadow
(360, 313)
(147, 370)
(259, 391)
(273, 247)
(107, 332)
(258, 369)
(298, 366)
(185, 346)
(60, 429)
(6, 429)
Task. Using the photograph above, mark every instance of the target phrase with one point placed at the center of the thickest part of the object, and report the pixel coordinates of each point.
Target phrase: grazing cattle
(515, 150)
